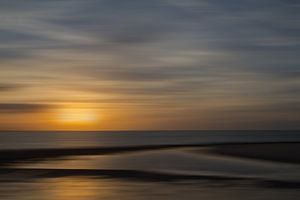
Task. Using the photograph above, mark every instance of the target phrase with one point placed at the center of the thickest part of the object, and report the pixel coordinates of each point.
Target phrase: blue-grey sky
(151, 64)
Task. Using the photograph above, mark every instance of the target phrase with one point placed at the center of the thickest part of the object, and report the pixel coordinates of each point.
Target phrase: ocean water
(150, 165)
(30, 140)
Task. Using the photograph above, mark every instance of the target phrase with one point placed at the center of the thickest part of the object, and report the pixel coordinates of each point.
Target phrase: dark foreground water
(150, 165)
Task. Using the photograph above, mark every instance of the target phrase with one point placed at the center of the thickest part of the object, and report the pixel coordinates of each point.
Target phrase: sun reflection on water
(77, 188)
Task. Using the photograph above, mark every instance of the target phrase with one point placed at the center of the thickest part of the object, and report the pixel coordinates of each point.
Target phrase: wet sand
(185, 171)
(20, 175)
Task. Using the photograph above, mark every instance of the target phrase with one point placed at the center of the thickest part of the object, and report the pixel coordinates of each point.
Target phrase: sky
(149, 64)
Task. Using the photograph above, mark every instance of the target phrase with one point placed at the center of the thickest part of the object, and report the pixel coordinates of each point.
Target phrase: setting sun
(77, 116)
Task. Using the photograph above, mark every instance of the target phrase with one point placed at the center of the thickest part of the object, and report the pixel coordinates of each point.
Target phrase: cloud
(22, 107)
(9, 87)
(189, 53)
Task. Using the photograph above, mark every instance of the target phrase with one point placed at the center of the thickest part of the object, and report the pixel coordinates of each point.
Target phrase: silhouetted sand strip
(111, 173)
(15, 174)
(11, 156)
(286, 151)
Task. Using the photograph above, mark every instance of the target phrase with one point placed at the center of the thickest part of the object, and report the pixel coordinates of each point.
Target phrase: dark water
(146, 165)
(17, 140)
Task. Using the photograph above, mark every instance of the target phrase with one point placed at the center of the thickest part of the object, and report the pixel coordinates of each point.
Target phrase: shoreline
(278, 152)
(272, 151)
(18, 174)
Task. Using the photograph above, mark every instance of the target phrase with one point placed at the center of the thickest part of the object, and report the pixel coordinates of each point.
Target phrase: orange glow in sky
(77, 115)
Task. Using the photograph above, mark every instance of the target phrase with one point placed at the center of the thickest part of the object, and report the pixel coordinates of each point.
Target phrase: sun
(77, 115)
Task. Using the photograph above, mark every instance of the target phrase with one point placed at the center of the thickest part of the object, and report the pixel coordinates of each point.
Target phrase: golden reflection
(77, 188)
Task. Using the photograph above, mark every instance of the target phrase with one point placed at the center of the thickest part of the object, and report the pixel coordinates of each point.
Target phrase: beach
(173, 170)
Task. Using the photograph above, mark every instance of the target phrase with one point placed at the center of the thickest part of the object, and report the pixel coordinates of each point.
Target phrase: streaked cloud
(198, 56)
(4, 87)
(22, 107)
